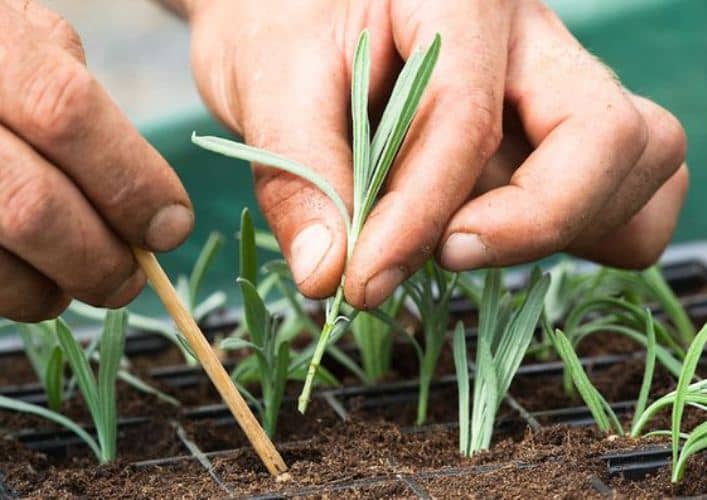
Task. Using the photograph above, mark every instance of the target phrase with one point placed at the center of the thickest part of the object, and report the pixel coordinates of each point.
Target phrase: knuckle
(68, 38)
(670, 134)
(629, 128)
(478, 115)
(28, 207)
(65, 32)
(59, 101)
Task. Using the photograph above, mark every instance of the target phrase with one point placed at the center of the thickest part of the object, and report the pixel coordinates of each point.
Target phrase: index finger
(587, 137)
(49, 99)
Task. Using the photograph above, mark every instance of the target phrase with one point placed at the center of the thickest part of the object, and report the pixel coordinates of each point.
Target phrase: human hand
(77, 181)
(585, 166)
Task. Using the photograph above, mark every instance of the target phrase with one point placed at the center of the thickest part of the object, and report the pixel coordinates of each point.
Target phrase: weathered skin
(524, 145)
(584, 166)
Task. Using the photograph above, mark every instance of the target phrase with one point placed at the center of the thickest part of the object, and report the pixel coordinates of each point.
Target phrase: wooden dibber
(212, 366)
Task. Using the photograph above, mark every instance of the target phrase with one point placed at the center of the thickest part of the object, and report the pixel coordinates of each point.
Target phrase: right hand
(78, 184)
(595, 171)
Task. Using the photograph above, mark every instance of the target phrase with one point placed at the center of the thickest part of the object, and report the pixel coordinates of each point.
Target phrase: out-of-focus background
(140, 53)
(138, 50)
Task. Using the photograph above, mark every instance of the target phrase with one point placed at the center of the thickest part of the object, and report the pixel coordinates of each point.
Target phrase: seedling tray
(205, 445)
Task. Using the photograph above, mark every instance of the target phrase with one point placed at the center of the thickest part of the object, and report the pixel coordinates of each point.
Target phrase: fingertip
(463, 252)
(169, 227)
(316, 257)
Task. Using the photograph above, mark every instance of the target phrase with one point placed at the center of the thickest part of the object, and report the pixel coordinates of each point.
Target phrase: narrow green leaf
(243, 152)
(688, 372)
(256, 316)
(486, 397)
(235, 343)
(461, 366)
(209, 305)
(54, 379)
(515, 341)
(248, 268)
(695, 442)
(361, 127)
(490, 298)
(412, 99)
(203, 262)
(111, 351)
(80, 368)
(21, 406)
(648, 369)
(279, 382)
(143, 386)
(602, 413)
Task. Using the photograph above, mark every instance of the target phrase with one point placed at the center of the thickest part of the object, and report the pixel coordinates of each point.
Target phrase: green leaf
(203, 262)
(688, 372)
(142, 386)
(361, 128)
(648, 370)
(488, 313)
(696, 395)
(80, 368)
(409, 100)
(256, 316)
(272, 407)
(235, 343)
(696, 442)
(54, 379)
(111, 351)
(21, 406)
(461, 366)
(243, 152)
(515, 341)
(209, 305)
(486, 396)
(603, 415)
(248, 268)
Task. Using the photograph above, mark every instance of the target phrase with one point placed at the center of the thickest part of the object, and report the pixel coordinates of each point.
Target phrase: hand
(77, 181)
(585, 166)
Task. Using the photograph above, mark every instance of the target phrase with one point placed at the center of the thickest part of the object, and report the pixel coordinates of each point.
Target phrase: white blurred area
(138, 51)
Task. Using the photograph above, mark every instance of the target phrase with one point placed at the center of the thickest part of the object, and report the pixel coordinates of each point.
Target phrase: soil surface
(377, 452)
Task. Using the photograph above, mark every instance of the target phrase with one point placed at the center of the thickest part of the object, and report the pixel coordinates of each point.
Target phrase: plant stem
(331, 317)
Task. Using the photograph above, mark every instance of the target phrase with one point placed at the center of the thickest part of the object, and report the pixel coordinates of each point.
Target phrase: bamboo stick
(214, 369)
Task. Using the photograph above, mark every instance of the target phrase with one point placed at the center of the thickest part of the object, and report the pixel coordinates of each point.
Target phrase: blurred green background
(658, 48)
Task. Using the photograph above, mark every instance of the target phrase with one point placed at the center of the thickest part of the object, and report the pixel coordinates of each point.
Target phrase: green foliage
(430, 289)
(98, 391)
(505, 333)
(461, 367)
(46, 358)
(271, 349)
(374, 338)
(687, 392)
(603, 414)
(698, 439)
(371, 163)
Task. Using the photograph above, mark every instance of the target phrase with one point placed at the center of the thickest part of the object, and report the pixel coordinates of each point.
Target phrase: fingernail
(127, 291)
(169, 227)
(308, 249)
(464, 251)
(380, 286)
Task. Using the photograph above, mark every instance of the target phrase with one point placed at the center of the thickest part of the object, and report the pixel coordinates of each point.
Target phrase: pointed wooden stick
(214, 369)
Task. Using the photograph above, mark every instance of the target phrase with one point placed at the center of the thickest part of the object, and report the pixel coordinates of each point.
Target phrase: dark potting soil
(555, 461)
